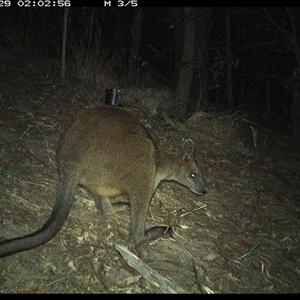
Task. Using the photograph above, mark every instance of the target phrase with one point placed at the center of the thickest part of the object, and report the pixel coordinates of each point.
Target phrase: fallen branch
(165, 285)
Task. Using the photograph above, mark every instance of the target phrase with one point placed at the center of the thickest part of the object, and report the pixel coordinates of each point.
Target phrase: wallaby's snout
(202, 191)
(194, 181)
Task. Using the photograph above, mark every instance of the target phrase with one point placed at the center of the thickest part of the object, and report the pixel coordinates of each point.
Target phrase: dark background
(264, 64)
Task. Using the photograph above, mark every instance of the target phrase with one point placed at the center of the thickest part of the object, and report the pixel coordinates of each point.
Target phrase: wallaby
(110, 153)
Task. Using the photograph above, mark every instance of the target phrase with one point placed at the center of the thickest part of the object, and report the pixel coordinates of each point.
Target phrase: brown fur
(110, 153)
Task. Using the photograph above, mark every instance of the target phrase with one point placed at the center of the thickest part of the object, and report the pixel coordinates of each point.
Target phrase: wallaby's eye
(193, 175)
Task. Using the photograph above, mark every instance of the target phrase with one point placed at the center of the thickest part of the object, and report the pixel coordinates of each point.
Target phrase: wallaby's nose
(203, 190)
(199, 191)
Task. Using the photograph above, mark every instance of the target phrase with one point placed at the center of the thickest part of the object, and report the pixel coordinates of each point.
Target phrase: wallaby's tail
(61, 209)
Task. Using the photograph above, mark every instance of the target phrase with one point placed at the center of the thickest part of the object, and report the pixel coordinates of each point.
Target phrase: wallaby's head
(188, 173)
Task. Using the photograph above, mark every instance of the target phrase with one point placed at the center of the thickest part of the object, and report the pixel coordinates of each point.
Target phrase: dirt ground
(240, 237)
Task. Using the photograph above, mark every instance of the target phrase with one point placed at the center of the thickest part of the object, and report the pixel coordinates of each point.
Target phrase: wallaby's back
(107, 147)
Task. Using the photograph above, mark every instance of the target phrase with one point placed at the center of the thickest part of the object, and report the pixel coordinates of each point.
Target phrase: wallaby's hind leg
(138, 215)
(105, 207)
(157, 232)
(137, 233)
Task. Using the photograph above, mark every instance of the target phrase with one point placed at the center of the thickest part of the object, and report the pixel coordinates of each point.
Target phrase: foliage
(24, 31)
(159, 55)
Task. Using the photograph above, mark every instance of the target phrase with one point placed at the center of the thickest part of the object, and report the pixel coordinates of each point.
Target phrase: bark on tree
(186, 73)
(296, 116)
(64, 42)
(121, 37)
(176, 15)
(136, 39)
(202, 44)
(228, 55)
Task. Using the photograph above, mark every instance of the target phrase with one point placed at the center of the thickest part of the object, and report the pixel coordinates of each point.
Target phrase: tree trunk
(296, 116)
(64, 42)
(199, 89)
(229, 65)
(296, 98)
(136, 38)
(176, 15)
(122, 37)
(186, 73)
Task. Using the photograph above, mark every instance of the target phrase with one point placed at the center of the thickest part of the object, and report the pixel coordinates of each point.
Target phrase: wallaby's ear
(187, 149)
